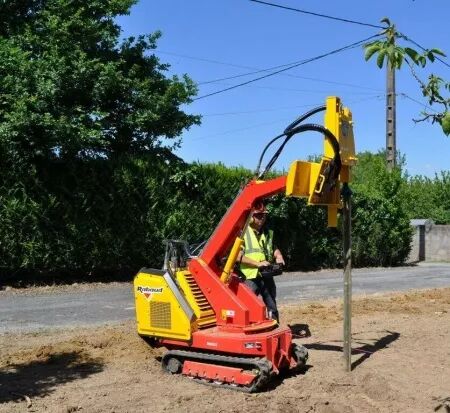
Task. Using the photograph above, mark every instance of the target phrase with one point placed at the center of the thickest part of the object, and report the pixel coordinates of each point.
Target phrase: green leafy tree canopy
(387, 50)
(71, 88)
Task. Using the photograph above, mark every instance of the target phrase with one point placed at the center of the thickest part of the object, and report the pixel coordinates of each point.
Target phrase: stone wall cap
(421, 222)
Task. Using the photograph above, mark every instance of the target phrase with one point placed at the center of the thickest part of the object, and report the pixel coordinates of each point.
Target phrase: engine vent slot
(160, 314)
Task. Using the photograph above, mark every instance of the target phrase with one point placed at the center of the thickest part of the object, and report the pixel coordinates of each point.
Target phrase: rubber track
(263, 365)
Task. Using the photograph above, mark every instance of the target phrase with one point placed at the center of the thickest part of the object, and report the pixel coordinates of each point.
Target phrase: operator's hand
(278, 257)
(263, 264)
(280, 260)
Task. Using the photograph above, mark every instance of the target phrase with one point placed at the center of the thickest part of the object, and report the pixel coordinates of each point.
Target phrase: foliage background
(89, 186)
(107, 218)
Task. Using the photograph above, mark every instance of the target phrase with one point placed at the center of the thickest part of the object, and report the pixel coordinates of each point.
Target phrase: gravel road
(75, 306)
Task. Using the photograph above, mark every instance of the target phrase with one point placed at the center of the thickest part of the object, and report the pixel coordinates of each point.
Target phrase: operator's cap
(260, 208)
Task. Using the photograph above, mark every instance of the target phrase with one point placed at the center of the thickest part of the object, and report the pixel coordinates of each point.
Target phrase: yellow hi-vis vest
(261, 250)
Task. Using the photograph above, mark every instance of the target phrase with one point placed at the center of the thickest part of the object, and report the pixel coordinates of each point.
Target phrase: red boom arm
(234, 220)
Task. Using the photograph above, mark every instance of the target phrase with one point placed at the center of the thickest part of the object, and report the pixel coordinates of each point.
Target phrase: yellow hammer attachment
(339, 121)
(316, 181)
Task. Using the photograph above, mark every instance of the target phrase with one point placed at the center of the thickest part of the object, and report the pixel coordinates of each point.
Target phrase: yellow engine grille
(205, 314)
(160, 315)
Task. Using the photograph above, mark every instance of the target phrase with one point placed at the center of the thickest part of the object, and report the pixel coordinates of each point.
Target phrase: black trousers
(266, 288)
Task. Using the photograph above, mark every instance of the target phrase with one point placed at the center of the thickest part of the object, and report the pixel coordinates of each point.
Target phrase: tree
(71, 89)
(429, 197)
(387, 50)
(382, 233)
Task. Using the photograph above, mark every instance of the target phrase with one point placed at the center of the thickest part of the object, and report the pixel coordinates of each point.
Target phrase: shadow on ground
(41, 377)
(366, 350)
(278, 380)
(443, 406)
(300, 330)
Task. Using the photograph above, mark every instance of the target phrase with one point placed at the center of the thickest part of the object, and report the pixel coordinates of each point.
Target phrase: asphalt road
(115, 303)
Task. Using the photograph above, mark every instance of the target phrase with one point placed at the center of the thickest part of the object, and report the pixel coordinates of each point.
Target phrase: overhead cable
(315, 91)
(302, 62)
(290, 75)
(417, 101)
(256, 70)
(318, 14)
(345, 21)
(247, 112)
(353, 102)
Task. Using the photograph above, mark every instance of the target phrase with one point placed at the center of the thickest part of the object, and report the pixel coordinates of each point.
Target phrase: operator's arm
(278, 256)
(251, 262)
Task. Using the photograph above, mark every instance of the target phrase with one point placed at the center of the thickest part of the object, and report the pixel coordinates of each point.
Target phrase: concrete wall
(417, 252)
(437, 243)
(431, 244)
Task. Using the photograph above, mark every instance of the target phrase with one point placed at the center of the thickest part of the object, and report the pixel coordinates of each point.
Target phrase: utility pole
(391, 146)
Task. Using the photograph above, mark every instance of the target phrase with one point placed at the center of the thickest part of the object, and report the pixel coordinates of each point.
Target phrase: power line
(248, 73)
(240, 129)
(334, 83)
(287, 89)
(346, 21)
(278, 120)
(350, 46)
(318, 14)
(417, 101)
(286, 74)
(256, 70)
(202, 59)
(247, 112)
(291, 75)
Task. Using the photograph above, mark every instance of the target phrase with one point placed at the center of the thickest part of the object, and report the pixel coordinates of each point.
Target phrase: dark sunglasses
(259, 215)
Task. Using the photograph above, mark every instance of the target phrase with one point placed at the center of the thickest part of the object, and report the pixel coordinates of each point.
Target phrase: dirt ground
(401, 363)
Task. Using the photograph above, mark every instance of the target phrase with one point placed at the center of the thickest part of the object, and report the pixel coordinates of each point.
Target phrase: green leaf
(386, 20)
(430, 56)
(398, 56)
(438, 51)
(445, 123)
(413, 54)
(371, 50)
(398, 61)
(380, 58)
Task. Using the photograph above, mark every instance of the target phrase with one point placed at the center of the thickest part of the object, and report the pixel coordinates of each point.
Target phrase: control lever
(271, 270)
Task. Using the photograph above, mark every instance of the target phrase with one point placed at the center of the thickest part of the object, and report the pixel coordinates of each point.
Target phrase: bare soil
(401, 363)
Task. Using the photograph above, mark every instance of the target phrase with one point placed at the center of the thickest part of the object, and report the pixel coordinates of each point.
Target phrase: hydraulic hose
(304, 117)
(287, 131)
(319, 128)
(336, 162)
(265, 150)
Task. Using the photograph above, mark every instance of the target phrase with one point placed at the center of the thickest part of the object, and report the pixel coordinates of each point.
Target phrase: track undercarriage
(246, 374)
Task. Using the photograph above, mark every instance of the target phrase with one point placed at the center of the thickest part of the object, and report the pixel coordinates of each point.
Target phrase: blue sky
(213, 39)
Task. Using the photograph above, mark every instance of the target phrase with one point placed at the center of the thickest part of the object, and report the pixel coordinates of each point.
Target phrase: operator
(258, 252)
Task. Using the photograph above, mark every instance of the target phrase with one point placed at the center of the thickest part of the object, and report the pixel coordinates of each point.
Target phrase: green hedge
(107, 217)
(110, 217)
